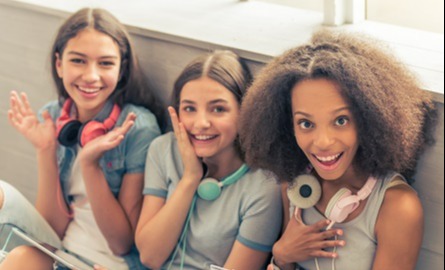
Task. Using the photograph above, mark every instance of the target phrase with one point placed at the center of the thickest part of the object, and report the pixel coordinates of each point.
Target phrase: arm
(125, 209)
(244, 258)
(42, 137)
(399, 230)
(261, 222)
(162, 221)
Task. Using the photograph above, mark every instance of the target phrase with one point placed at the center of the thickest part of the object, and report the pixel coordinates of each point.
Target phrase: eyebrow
(346, 108)
(84, 55)
(210, 102)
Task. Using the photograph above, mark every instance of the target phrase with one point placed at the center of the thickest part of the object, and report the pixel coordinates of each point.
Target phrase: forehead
(92, 43)
(317, 95)
(205, 89)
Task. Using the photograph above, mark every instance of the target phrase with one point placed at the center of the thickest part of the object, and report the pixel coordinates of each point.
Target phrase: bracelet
(272, 265)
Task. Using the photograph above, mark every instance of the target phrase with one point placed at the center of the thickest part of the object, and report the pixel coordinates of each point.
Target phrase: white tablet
(60, 256)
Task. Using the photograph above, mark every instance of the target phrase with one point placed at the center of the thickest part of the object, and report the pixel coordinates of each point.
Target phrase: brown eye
(304, 124)
(341, 121)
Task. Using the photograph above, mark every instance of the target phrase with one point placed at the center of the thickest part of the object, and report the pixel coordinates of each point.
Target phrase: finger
(175, 120)
(15, 111)
(46, 116)
(26, 105)
(13, 103)
(19, 103)
(323, 254)
(319, 226)
(130, 117)
(331, 244)
(183, 133)
(128, 123)
(330, 233)
(114, 142)
(12, 119)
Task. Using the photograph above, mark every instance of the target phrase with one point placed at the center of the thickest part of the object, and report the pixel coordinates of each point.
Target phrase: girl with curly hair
(339, 121)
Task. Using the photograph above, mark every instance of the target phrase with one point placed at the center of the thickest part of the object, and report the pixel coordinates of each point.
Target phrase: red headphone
(71, 131)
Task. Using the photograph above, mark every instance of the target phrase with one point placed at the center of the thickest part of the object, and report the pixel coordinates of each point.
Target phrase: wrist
(46, 151)
(278, 258)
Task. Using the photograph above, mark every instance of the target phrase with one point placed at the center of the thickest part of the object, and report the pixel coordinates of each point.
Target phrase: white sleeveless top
(83, 236)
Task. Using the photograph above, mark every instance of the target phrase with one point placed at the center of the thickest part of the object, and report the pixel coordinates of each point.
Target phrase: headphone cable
(182, 238)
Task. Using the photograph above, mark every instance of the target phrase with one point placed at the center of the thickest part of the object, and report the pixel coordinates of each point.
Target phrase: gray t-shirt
(248, 211)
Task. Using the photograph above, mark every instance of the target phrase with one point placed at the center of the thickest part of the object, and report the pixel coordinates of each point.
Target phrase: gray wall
(25, 40)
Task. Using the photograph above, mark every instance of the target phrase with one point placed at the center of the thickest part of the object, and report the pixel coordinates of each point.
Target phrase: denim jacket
(128, 157)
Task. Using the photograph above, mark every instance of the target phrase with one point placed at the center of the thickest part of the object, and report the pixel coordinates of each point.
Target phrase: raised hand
(192, 164)
(301, 242)
(93, 150)
(42, 135)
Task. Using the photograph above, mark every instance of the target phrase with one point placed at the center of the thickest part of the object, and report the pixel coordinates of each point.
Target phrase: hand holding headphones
(22, 117)
(192, 164)
(92, 151)
(301, 242)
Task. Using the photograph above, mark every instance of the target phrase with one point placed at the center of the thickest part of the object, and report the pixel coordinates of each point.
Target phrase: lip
(202, 139)
(328, 162)
(88, 92)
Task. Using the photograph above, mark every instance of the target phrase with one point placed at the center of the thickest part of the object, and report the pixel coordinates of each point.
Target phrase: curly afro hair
(395, 118)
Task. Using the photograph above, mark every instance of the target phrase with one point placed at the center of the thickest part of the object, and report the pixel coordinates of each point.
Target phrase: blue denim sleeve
(52, 107)
(138, 139)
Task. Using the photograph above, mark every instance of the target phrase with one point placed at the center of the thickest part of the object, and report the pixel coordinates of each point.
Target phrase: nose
(91, 73)
(324, 138)
(202, 121)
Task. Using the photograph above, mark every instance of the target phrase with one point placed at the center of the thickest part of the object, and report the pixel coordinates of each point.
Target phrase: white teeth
(327, 159)
(89, 90)
(204, 137)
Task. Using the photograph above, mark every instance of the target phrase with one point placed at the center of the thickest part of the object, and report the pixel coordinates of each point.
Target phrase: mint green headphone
(210, 189)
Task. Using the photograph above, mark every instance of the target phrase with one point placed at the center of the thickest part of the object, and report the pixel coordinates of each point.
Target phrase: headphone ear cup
(341, 205)
(68, 133)
(90, 131)
(209, 189)
(305, 191)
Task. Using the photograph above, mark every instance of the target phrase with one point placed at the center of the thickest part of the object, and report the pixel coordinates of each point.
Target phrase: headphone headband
(364, 192)
(232, 178)
(209, 189)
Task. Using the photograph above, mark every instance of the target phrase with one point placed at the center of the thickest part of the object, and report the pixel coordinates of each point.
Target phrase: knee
(26, 257)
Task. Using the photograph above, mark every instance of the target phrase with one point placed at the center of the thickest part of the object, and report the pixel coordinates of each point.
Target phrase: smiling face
(209, 112)
(89, 68)
(324, 127)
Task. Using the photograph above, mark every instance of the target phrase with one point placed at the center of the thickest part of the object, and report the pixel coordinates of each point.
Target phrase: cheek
(302, 141)
(186, 121)
(112, 77)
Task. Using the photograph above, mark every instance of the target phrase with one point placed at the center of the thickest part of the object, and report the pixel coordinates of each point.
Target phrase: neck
(351, 179)
(224, 164)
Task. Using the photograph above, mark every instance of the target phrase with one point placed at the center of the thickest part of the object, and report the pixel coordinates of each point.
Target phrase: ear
(58, 65)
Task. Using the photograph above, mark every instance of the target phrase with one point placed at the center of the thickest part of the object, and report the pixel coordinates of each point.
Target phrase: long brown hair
(132, 86)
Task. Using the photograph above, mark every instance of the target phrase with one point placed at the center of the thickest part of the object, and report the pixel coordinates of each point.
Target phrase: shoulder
(163, 144)
(144, 117)
(401, 205)
(164, 141)
(263, 183)
(53, 108)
